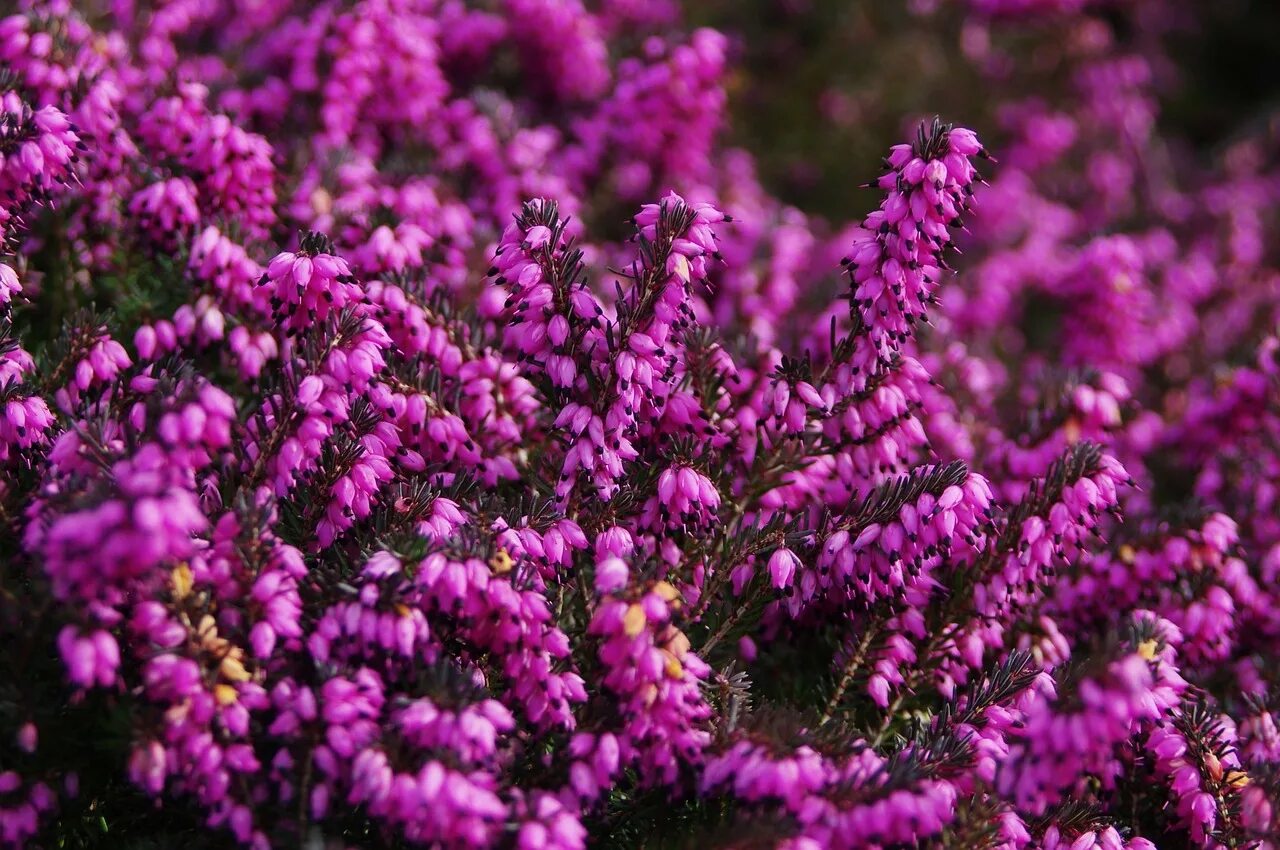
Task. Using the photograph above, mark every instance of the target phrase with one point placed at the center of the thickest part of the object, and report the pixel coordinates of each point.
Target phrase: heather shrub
(419, 426)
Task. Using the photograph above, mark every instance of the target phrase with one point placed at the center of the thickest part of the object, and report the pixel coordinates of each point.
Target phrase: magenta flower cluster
(418, 428)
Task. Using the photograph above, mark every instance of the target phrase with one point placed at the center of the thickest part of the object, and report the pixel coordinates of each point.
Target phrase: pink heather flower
(9, 284)
(40, 147)
(90, 659)
(611, 575)
(783, 564)
(305, 288)
(349, 541)
(896, 260)
(166, 208)
(561, 47)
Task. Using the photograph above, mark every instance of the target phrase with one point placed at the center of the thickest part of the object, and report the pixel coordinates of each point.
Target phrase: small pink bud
(27, 737)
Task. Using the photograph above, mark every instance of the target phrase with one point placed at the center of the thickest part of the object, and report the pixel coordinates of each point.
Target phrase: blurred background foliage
(824, 87)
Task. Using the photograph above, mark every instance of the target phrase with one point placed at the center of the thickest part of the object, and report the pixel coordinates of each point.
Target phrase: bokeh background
(824, 87)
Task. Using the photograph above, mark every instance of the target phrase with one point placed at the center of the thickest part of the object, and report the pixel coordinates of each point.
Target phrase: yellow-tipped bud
(667, 591)
(673, 667)
(1237, 779)
(232, 670)
(501, 563)
(633, 621)
(1147, 649)
(182, 581)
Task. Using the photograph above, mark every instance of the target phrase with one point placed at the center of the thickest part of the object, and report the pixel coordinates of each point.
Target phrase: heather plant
(419, 427)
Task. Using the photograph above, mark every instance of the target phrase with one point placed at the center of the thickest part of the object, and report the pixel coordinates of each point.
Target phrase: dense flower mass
(417, 428)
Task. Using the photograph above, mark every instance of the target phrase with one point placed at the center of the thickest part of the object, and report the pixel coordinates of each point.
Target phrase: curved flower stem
(850, 670)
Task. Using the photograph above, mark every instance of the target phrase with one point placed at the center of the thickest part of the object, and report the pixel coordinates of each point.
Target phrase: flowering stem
(890, 714)
(730, 621)
(850, 671)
